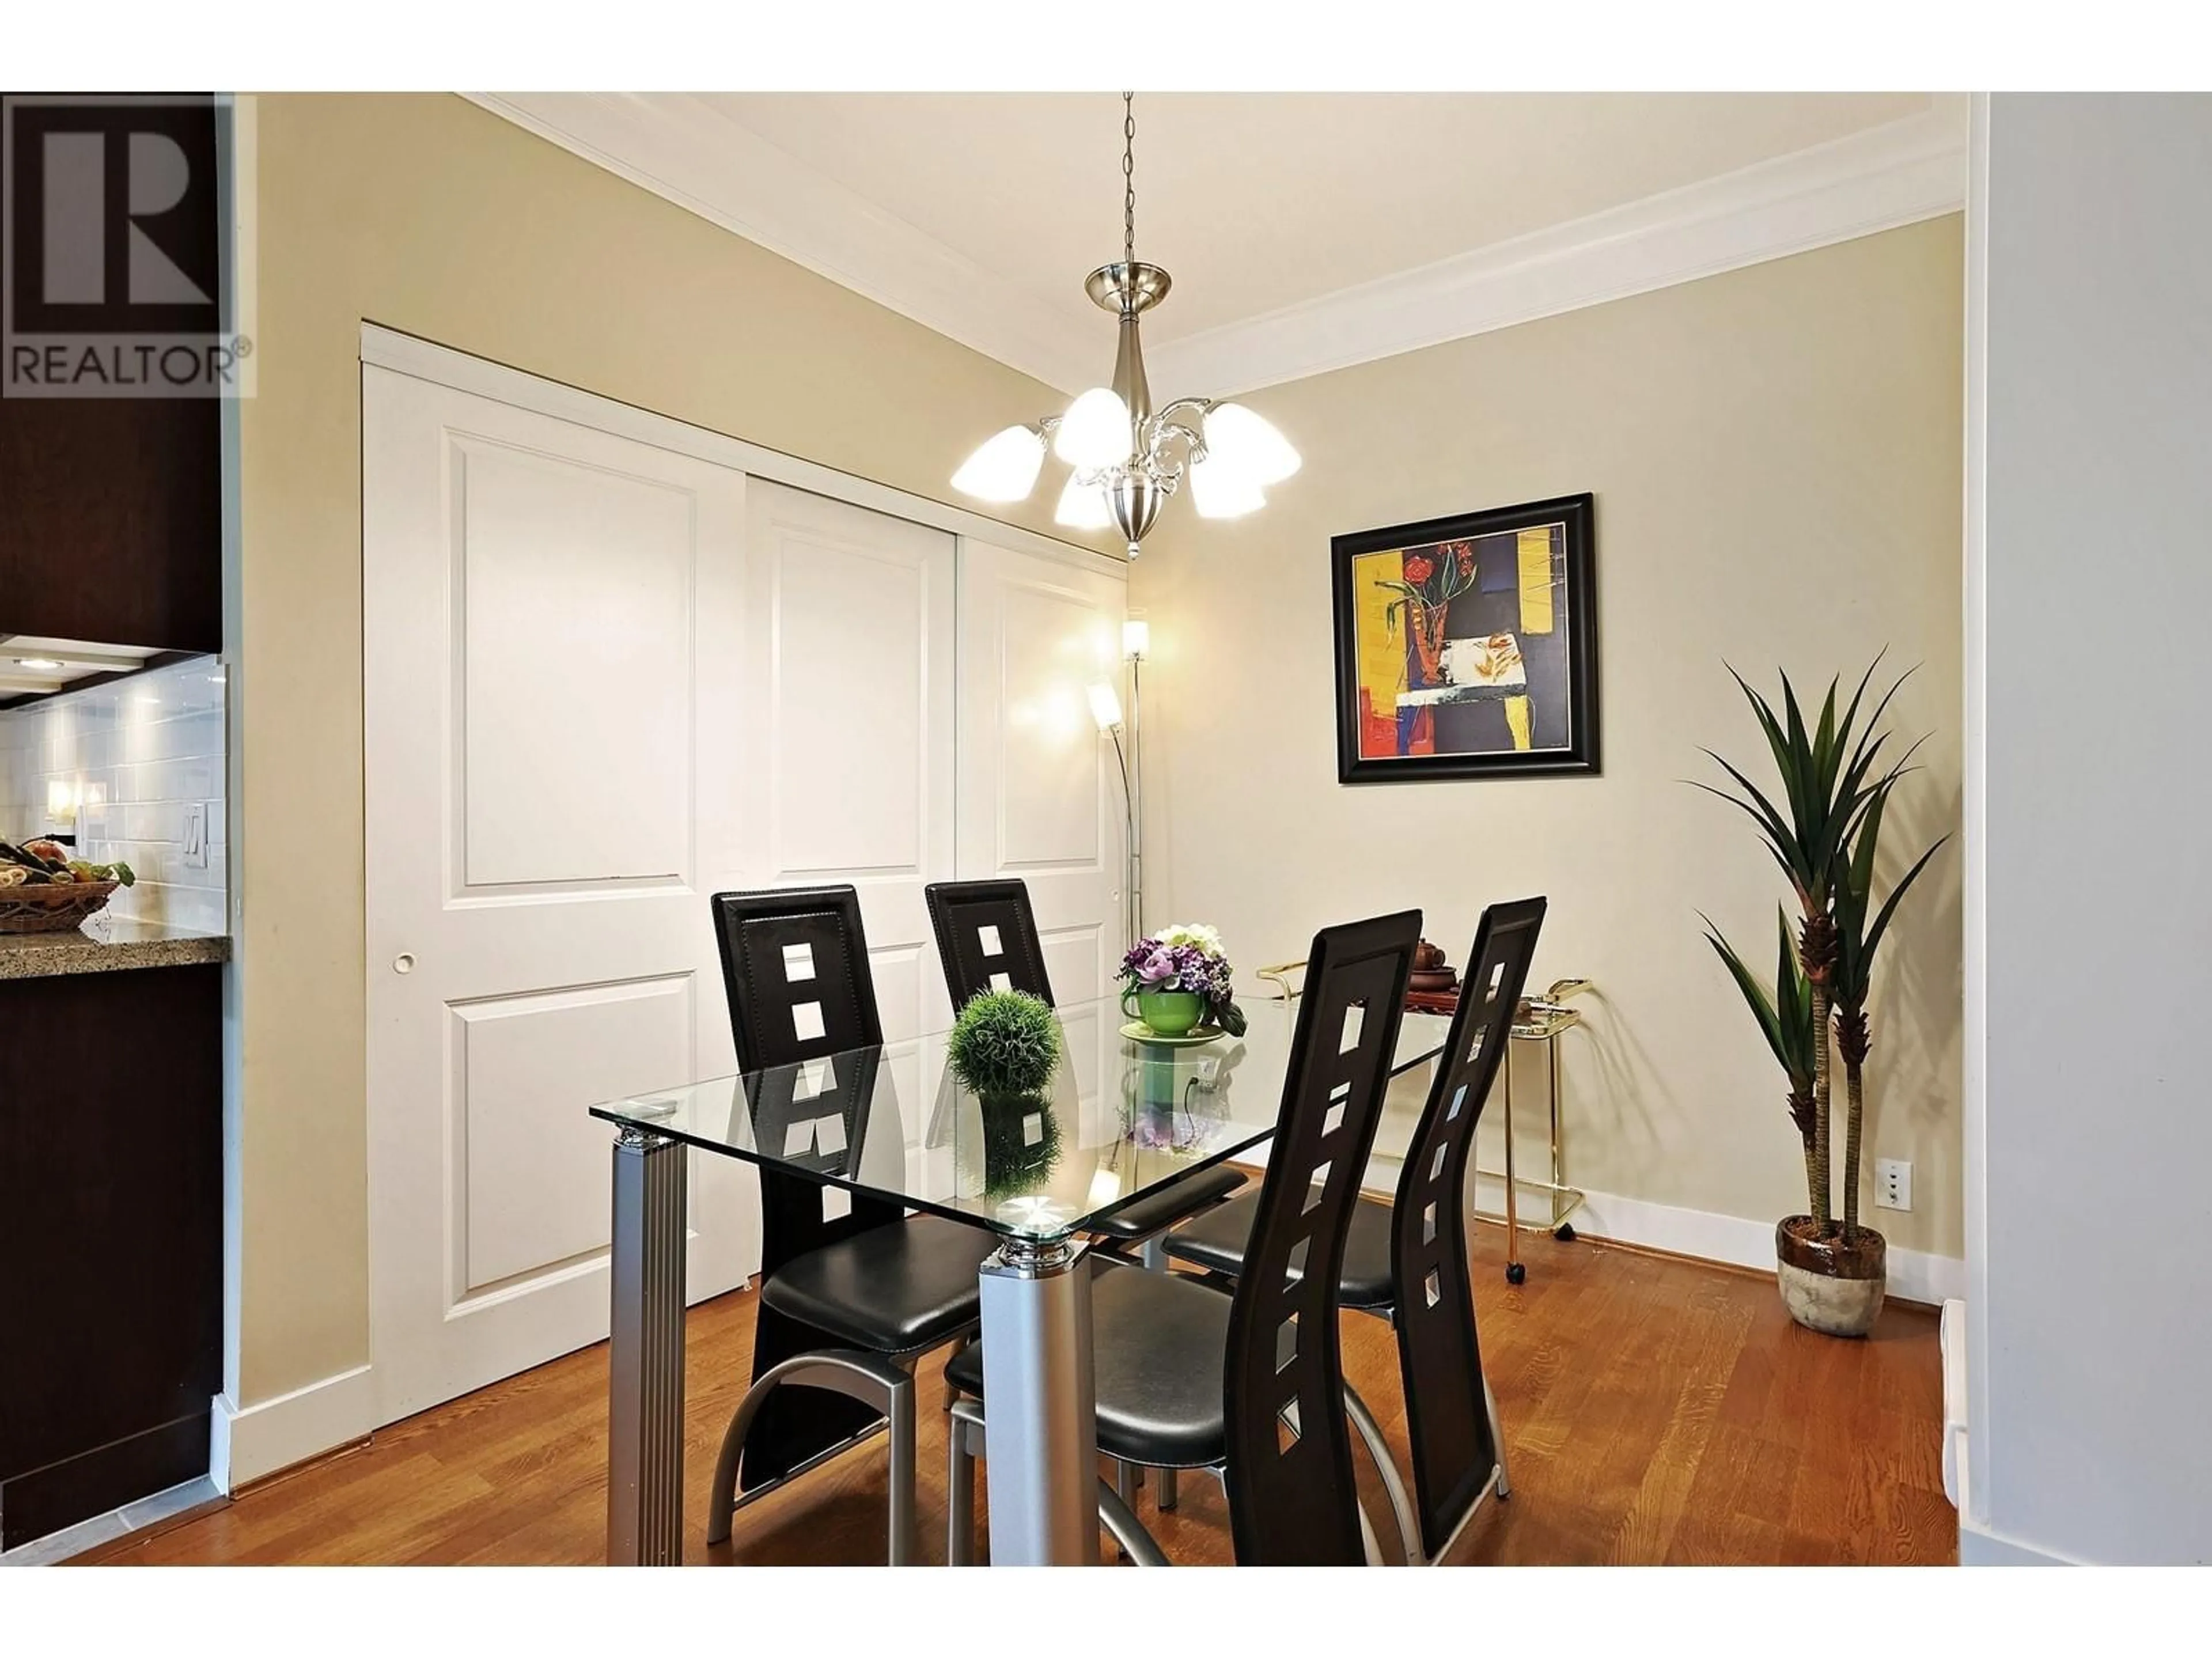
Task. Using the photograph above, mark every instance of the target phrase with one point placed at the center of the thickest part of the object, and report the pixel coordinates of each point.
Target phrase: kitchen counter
(104, 946)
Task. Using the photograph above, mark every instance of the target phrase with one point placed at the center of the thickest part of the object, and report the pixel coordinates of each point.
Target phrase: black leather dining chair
(987, 941)
(1250, 1385)
(847, 1305)
(1407, 1260)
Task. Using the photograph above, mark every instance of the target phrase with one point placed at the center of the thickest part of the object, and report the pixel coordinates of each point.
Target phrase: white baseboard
(1977, 1548)
(1915, 1275)
(251, 1440)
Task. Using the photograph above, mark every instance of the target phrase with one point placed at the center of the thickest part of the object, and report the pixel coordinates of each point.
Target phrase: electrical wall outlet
(195, 839)
(1893, 1183)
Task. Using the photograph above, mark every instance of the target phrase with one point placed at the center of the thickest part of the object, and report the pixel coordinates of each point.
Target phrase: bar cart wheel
(1517, 1273)
(1564, 1232)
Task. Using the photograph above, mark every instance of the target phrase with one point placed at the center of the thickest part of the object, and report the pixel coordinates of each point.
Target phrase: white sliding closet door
(850, 700)
(554, 783)
(1040, 793)
(607, 675)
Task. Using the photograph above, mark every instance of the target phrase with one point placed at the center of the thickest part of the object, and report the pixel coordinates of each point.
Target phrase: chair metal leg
(1167, 1493)
(1367, 1543)
(965, 1433)
(901, 1542)
(1401, 1504)
(873, 1379)
(952, 1389)
(1497, 1438)
(1128, 1532)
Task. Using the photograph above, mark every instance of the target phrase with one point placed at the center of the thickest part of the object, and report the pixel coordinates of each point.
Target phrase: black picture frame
(1573, 552)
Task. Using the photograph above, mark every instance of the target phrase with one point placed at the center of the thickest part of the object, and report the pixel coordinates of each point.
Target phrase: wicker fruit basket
(54, 908)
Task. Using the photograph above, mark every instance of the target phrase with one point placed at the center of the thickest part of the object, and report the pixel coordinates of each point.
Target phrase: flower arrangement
(1004, 1044)
(1187, 957)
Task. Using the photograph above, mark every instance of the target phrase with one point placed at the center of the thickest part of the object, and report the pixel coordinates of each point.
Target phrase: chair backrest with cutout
(1440, 1361)
(986, 939)
(1292, 1498)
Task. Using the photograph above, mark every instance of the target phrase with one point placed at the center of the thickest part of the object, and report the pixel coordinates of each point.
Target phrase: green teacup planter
(1165, 1013)
(1177, 982)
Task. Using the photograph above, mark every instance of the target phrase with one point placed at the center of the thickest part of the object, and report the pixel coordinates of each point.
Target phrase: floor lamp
(1106, 710)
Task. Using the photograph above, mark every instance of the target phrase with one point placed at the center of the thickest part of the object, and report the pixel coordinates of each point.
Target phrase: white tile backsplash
(134, 757)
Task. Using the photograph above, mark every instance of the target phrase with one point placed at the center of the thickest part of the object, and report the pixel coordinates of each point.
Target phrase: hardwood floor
(1656, 1410)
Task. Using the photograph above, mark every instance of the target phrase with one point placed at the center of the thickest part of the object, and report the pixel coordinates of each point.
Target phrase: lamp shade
(1218, 491)
(1004, 468)
(1136, 638)
(1105, 707)
(1082, 506)
(1248, 444)
(1095, 432)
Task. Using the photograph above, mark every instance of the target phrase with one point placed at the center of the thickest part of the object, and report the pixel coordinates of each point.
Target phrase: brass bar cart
(1549, 1019)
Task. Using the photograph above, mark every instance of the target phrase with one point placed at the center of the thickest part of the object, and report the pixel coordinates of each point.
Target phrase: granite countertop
(103, 944)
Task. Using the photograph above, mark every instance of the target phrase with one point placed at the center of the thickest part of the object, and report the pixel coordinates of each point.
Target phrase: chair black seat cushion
(1157, 1342)
(1165, 1206)
(892, 1289)
(1216, 1243)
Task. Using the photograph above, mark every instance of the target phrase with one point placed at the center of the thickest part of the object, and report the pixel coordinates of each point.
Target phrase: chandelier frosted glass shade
(1218, 491)
(1082, 506)
(1095, 433)
(1005, 467)
(1248, 445)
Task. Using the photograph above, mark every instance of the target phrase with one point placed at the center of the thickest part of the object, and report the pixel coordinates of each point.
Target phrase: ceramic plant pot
(1826, 1286)
(1166, 1013)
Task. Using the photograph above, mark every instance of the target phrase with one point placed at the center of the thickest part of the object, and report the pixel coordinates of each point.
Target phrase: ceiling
(1255, 202)
(1300, 227)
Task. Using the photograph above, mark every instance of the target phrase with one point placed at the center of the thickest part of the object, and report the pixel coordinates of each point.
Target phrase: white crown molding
(679, 147)
(1894, 174)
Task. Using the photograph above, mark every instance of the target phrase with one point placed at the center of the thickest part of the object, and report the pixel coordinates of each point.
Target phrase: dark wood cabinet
(110, 508)
(111, 521)
(111, 1239)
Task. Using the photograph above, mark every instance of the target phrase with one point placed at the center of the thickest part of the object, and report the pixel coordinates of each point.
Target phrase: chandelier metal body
(1128, 457)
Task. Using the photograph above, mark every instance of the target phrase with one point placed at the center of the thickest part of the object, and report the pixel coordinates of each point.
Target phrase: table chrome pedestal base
(1040, 1432)
(645, 1388)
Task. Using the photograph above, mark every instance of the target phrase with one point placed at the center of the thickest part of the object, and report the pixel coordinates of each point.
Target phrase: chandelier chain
(1129, 177)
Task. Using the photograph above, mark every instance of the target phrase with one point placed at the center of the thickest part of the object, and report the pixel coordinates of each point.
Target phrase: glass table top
(1121, 1117)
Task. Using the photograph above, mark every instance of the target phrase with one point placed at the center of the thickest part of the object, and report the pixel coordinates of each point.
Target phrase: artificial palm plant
(1824, 835)
(1856, 941)
(1825, 790)
(1786, 1020)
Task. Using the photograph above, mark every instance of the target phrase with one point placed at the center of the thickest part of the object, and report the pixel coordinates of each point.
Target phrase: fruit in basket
(47, 863)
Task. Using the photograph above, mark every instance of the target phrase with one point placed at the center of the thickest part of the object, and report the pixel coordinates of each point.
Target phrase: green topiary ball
(1005, 1042)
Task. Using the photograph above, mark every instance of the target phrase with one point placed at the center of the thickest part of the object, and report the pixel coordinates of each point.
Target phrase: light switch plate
(196, 838)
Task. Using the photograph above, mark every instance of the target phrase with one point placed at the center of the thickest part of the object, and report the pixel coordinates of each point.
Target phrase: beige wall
(429, 216)
(1776, 455)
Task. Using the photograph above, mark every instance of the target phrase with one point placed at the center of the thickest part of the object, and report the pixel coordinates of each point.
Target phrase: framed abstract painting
(1466, 647)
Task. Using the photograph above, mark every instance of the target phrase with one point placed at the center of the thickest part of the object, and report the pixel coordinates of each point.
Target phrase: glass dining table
(1123, 1115)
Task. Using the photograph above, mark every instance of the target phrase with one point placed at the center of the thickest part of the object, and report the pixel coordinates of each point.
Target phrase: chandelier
(1127, 456)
